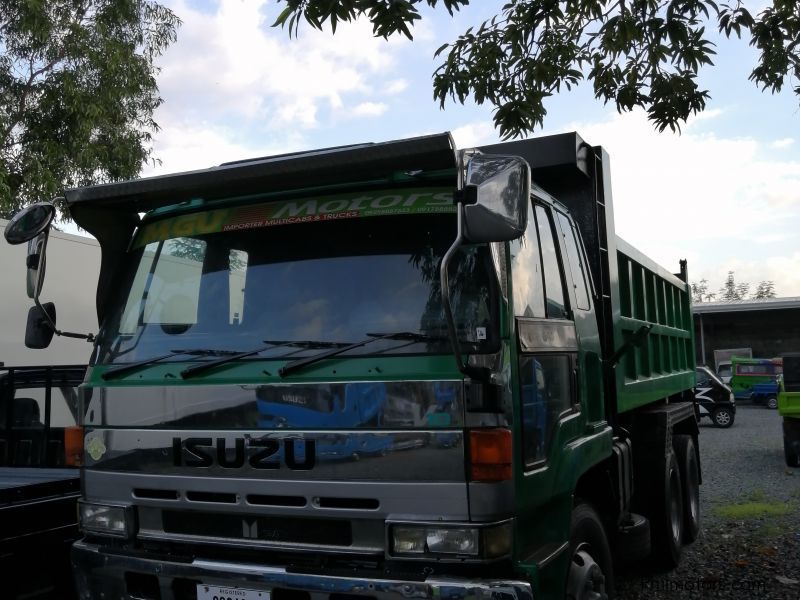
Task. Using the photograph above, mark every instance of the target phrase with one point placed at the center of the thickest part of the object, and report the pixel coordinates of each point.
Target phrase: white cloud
(475, 134)
(396, 86)
(782, 143)
(369, 109)
(230, 63)
(235, 87)
(192, 147)
(707, 115)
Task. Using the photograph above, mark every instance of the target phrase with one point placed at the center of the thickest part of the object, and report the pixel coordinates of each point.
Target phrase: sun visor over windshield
(284, 172)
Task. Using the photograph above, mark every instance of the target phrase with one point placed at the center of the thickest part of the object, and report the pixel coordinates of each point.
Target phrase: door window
(575, 259)
(554, 289)
(526, 270)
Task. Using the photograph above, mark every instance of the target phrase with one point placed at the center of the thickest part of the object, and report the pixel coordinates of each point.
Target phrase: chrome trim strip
(149, 406)
(101, 575)
(547, 335)
(260, 544)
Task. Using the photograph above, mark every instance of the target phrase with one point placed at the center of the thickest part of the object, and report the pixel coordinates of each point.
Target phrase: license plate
(216, 592)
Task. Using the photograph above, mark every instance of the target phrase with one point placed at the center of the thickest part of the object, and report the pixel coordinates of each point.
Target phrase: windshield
(337, 281)
(708, 374)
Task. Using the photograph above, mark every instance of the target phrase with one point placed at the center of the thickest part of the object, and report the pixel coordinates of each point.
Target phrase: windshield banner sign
(413, 201)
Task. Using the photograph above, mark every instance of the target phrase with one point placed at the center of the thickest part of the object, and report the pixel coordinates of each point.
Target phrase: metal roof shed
(771, 327)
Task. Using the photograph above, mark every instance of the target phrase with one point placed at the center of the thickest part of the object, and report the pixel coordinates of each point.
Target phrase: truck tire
(790, 448)
(772, 402)
(686, 453)
(722, 417)
(591, 572)
(632, 541)
(666, 515)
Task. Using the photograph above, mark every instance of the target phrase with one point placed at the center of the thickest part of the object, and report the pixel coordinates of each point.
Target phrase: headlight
(478, 542)
(105, 519)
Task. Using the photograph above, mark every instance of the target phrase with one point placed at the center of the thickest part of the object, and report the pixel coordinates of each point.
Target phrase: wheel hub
(586, 580)
(675, 506)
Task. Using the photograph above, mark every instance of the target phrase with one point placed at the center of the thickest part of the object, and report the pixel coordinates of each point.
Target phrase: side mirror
(30, 222)
(41, 326)
(31, 225)
(497, 192)
(35, 263)
(492, 207)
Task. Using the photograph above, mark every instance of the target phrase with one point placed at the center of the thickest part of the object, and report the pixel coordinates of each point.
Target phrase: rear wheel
(686, 453)
(791, 447)
(722, 417)
(591, 575)
(772, 402)
(666, 517)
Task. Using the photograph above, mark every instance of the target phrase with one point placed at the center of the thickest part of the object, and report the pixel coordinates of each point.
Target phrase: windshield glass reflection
(325, 282)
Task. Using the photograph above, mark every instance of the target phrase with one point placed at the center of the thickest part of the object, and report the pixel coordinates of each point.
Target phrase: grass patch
(753, 510)
(771, 531)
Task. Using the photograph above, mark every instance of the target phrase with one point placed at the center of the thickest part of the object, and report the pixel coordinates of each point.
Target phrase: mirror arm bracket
(89, 337)
(467, 195)
(477, 373)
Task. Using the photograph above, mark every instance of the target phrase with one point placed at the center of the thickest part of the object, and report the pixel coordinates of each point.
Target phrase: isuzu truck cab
(378, 372)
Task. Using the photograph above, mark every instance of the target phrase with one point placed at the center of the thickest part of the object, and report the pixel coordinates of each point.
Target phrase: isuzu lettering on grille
(233, 454)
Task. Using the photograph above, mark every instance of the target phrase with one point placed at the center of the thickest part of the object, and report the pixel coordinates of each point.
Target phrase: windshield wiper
(118, 371)
(373, 337)
(302, 344)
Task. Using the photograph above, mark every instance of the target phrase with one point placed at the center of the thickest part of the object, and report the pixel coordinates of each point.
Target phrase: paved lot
(749, 546)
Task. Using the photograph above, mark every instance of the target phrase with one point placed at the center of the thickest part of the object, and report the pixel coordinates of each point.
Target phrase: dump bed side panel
(663, 364)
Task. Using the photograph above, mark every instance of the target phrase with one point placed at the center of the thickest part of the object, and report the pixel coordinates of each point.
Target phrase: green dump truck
(382, 371)
(789, 408)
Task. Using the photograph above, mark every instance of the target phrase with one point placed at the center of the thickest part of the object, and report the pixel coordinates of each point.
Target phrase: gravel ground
(754, 553)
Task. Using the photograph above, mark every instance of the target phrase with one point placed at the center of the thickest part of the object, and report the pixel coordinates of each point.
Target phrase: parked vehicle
(722, 361)
(39, 444)
(40, 450)
(756, 379)
(714, 399)
(73, 267)
(725, 372)
(789, 408)
(521, 378)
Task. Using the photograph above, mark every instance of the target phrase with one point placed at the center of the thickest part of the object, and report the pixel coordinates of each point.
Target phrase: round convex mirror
(29, 222)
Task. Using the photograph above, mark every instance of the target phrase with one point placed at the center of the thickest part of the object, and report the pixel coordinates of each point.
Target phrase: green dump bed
(663, 364)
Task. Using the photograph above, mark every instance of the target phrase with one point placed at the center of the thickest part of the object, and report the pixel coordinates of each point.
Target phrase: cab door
(548, 410)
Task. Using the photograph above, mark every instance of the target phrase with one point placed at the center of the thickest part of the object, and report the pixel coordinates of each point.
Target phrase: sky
(724, 194)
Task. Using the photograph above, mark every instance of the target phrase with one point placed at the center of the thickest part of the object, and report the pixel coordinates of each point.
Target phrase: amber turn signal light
(490, 452)
(73, 446)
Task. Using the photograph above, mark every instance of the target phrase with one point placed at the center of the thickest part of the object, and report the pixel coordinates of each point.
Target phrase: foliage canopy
(732, 291)
(77, 92)
(635, 53)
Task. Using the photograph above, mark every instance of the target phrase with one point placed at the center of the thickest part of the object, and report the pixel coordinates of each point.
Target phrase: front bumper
(100, 575)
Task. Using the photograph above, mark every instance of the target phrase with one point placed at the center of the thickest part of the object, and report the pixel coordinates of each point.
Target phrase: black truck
(40, 452)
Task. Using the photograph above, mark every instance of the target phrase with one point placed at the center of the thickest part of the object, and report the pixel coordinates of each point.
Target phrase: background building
(770, 327)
